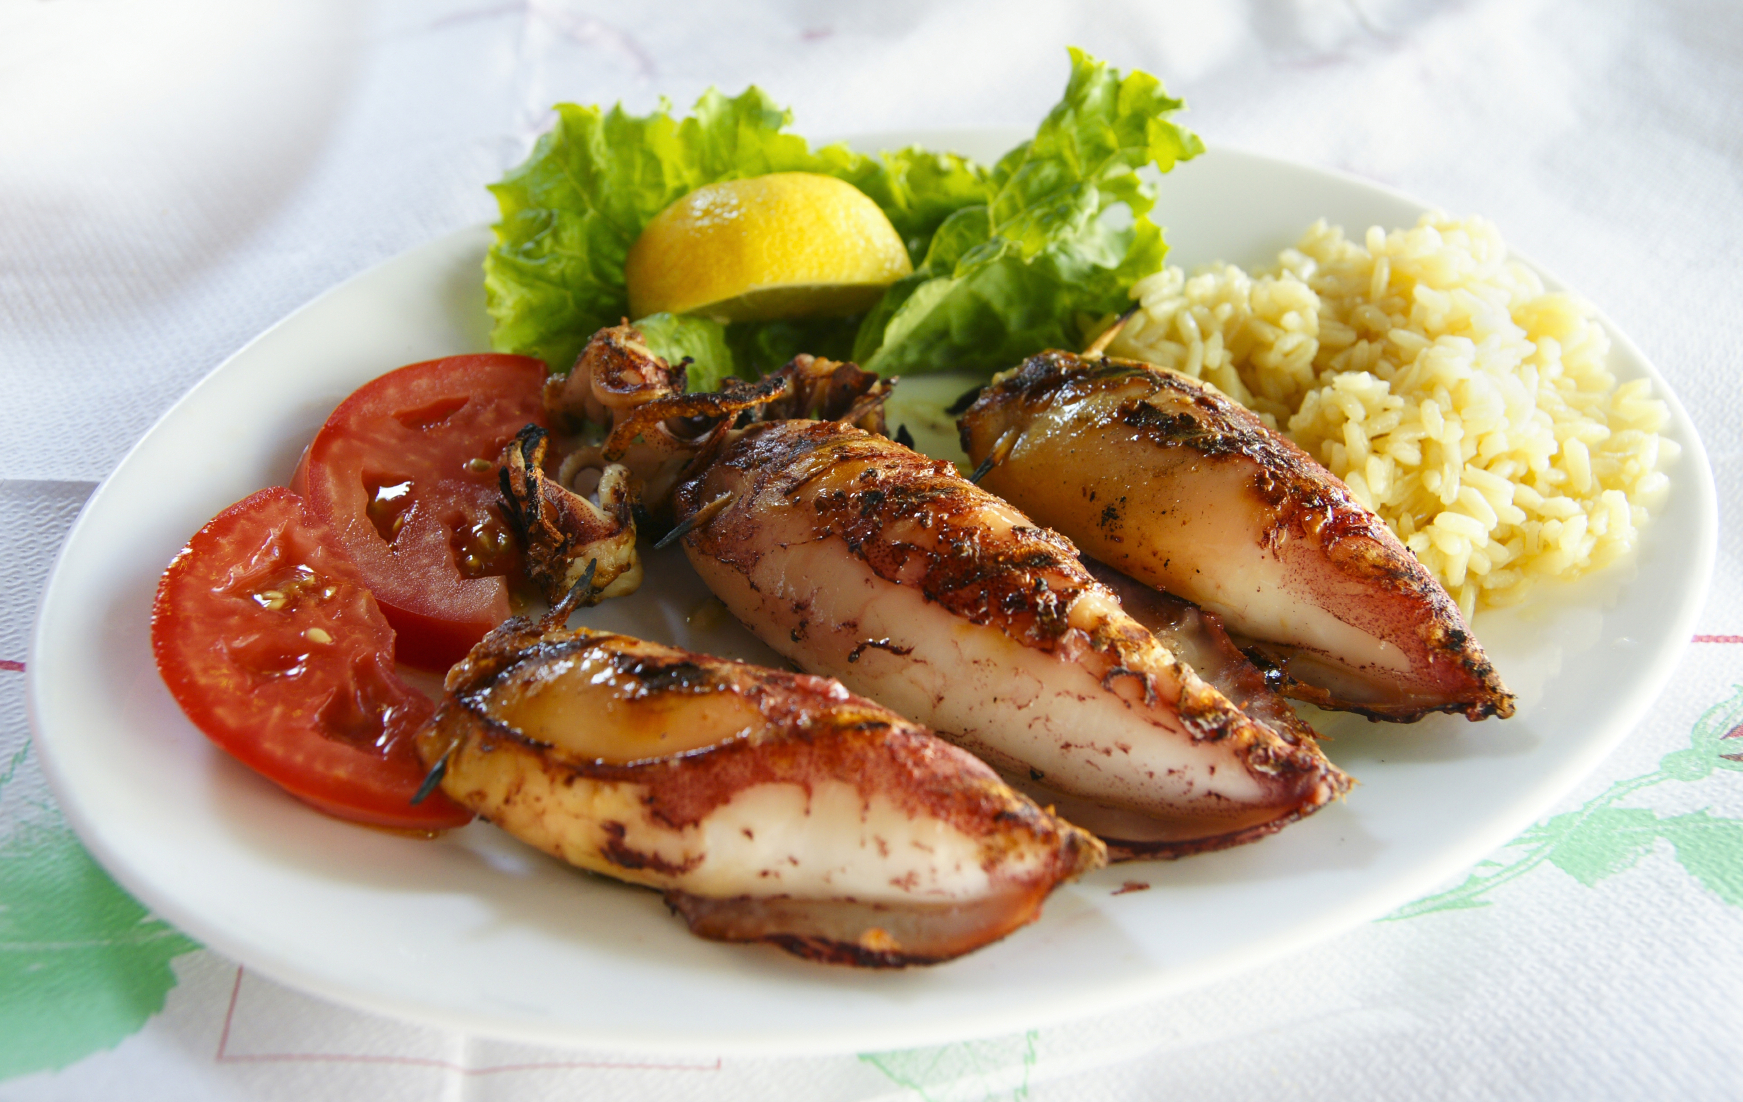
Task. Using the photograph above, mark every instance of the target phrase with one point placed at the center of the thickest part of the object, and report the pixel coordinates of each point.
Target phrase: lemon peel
(785, 245)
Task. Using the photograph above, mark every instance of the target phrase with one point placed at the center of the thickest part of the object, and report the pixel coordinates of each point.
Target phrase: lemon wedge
(786, 245)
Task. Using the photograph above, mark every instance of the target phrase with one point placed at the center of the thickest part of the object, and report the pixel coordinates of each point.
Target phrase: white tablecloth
(175, 177)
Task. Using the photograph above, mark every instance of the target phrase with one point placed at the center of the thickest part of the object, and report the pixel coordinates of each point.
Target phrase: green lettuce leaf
(919, 188)
(1063, 234)
(674, 337)
(1008, 260)
(748, 350)
(760, 347)
(571, 211)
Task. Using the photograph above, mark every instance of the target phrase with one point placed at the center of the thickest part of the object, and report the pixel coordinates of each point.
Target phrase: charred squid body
(862, 560)
(1165, 479)
(1198, 638)
(767, 806)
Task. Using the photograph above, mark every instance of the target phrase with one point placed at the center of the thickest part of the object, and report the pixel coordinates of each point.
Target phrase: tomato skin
(266, 637)
(404, 473)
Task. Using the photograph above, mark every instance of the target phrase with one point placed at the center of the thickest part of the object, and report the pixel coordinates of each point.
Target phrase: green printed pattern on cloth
(82, 965)
(981, 1071)
(1602, 839)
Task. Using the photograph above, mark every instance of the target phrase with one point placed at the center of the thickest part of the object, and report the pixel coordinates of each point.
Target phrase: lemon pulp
(786, 245)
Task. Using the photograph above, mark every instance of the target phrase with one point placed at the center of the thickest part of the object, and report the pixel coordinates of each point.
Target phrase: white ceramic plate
(477, 932)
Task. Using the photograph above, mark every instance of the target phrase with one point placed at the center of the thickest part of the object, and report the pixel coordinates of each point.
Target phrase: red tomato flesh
(405, 475)
(270, 643)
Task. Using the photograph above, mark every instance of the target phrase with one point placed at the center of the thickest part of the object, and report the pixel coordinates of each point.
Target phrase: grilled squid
(766, 806)
(634, 434)
(565, 537)
(859, 559)
(1165, 479)
(662, 435)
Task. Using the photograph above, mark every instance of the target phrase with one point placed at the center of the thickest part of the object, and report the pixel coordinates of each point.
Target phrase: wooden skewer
(1001, 451)
(434, 776)
(572, 600)
(1100, 344)
(700, 516)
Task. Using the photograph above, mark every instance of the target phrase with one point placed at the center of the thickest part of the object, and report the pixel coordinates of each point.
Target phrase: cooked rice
(1463, 403)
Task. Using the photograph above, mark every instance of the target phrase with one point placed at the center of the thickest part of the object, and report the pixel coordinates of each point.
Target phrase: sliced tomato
(404, 473)
(270, 643)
